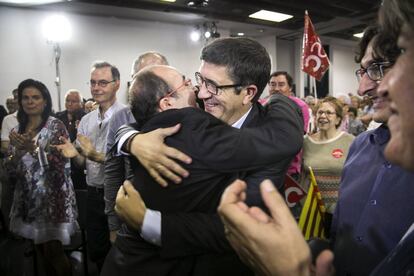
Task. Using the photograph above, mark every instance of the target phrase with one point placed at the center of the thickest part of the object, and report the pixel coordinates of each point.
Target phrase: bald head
(157, 88)
(73, 100)
(147, 59)
(11, 104)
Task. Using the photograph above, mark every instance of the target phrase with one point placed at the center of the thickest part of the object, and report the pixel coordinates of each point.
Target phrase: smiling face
(227, 105)
(398, 84)
(33, 102)
(184, 95)
(12, 105)
(326, 117)
(73, 102)
(279, 84)
(368, 87)
(105, 96)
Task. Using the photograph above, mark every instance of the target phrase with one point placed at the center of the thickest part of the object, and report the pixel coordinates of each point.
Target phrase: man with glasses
(232, 75)
(92, 135)
(211, 142)
(365, 227)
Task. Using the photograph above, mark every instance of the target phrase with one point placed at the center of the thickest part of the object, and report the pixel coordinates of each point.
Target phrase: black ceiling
(332, 18)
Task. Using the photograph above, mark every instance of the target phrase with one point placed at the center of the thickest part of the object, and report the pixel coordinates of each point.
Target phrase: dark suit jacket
(77, 173)
(192, 234)
(71, 125)
(400, 261)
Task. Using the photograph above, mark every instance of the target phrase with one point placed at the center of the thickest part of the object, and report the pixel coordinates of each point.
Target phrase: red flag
(293, 191)
(315, 62)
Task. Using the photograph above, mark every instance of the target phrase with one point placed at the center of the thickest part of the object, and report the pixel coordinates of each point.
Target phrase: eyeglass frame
(172, 92)
(100, 83)
(361, 71)
(207, 81)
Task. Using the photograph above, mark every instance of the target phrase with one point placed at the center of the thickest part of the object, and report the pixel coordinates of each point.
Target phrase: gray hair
(148, 58)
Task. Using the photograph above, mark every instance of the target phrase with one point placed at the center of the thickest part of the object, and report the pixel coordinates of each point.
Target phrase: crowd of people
(175, 190)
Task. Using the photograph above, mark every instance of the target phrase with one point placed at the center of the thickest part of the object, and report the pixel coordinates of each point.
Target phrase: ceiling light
(197, 3)
(270, 16)
(240, 34)
(30, 2)
(359, 35)
(171, 1)
(207, 34)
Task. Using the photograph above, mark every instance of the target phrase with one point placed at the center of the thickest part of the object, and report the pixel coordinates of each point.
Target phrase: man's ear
(117, 84)
(164, 104)
(250, 93)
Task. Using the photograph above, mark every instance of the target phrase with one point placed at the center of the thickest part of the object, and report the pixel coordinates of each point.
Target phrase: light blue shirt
(95, 127)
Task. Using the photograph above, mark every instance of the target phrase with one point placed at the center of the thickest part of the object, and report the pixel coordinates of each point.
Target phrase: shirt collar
(240, 122)
(108, 114)
(380, 135)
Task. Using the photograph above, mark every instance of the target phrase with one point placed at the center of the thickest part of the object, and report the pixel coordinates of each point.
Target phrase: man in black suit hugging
(232, 75)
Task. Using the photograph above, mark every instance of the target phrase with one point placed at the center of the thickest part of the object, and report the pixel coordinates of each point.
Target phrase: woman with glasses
(325, 152)
(44, 205)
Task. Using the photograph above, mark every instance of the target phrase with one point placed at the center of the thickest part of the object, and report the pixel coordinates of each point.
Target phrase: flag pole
(315, 92)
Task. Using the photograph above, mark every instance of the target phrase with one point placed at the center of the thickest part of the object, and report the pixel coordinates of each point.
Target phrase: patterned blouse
(44, 197)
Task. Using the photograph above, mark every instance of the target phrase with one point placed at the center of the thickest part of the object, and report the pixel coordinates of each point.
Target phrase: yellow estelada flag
(311, 220)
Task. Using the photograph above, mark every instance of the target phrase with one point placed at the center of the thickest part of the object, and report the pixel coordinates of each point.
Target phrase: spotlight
(215, 35)
(57, 28)
(197, 3)
(207, 34)
(195, 36)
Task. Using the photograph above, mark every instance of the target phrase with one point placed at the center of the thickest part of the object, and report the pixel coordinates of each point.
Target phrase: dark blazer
(193, 240)
(71, 126)
(77, 173)
(400, 261)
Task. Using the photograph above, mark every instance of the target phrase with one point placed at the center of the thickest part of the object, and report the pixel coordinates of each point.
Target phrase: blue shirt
(375, 206)
(95, 127)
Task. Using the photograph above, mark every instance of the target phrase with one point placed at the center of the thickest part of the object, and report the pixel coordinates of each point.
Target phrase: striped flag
(311, 220)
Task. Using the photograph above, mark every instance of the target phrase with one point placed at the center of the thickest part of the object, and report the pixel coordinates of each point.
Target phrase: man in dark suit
(71, 118)
(233, 99)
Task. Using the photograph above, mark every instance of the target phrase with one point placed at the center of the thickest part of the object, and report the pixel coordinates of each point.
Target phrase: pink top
(295, 166)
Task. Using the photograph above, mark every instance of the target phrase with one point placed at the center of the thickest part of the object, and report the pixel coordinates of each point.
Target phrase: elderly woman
(44, 207)
(325, 152)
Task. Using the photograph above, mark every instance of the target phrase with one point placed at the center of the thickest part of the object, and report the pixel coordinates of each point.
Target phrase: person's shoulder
(54, 122)
(60, 113)
(189, 118)
(347, 136)
(184, 114)
(11, 117)
(363, 136)
(298, 101)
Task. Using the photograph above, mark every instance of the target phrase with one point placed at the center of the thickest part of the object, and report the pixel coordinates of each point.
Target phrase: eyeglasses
(375, 71)
(328, 113)
(185, 83)
(100, 83)
(211, 86)
(172, 92)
